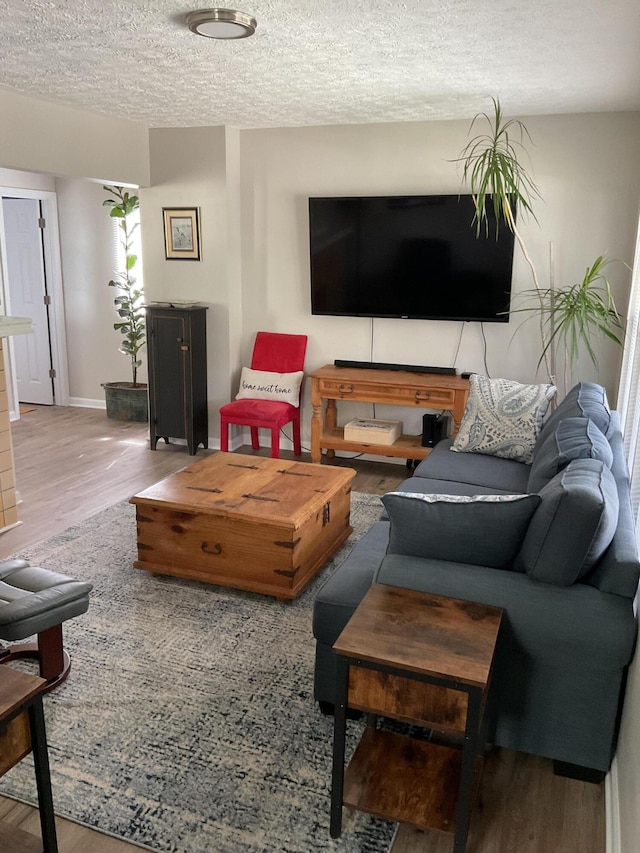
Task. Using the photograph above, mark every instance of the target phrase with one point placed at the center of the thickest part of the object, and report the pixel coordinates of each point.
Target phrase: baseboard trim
(612, 810)
(85, 403)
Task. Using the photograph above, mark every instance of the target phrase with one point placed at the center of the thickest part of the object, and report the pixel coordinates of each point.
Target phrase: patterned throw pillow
(503, 418)
(263, 385)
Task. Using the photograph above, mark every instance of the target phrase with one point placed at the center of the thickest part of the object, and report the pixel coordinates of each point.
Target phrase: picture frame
(181, 233)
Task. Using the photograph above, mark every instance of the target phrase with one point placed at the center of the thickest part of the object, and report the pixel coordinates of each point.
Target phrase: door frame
(53, 272)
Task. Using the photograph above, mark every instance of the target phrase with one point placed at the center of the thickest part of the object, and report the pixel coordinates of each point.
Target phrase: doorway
(27, 287)
(29, 251)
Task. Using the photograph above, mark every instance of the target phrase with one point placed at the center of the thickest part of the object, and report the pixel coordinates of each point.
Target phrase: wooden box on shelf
(373, 431)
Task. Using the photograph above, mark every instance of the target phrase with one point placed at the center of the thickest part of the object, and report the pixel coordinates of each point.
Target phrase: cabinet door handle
(345, 389)
(184, 348)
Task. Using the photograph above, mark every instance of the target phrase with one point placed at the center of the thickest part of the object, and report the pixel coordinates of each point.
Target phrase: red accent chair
(277, 353)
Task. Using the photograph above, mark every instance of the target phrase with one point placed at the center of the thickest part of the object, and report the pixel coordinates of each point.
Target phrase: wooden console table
(388, 387)
(425, 660)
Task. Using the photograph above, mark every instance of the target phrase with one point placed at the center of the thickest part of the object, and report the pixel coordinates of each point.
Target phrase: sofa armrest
(563, 624)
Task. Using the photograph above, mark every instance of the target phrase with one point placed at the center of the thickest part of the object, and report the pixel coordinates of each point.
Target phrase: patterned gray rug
(188, 723)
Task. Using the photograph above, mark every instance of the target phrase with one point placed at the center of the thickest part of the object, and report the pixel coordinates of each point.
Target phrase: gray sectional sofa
(552, 543)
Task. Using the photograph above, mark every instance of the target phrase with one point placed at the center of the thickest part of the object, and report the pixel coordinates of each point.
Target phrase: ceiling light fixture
(221, 24)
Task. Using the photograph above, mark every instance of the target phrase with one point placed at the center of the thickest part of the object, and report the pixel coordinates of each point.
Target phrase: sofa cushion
(489, 473)
(584, 400)
(573, 525)
(484, 529)
(427, 486)
(503, 418)
(345, 588)
(573, 438)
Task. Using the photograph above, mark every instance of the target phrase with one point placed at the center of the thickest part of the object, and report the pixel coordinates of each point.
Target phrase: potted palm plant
(571, 316)
(127, 400)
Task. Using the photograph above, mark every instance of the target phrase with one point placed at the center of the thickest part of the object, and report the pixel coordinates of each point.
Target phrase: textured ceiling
(324, 61)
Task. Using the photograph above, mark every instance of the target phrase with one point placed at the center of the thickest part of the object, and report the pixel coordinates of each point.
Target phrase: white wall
(39, 141)
(189, 169)
(88, 264)
(589, 175)
(46, 137)
(27, 180)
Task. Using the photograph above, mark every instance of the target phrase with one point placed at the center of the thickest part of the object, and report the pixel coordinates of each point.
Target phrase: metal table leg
(339, 735)
(43, 777)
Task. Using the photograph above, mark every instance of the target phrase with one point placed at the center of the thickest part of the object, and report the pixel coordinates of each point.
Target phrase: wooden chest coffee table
(250, 522)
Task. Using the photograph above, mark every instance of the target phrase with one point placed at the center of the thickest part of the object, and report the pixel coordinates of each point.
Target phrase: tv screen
(416, 257)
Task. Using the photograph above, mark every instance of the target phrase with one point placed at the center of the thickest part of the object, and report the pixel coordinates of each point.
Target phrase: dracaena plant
(129, 299)
(568, 316)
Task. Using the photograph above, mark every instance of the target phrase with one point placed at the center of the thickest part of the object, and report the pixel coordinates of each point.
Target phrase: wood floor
(72, 463)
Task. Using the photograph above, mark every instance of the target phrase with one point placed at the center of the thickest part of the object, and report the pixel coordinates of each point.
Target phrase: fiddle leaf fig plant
(570, 316)
(129, 298)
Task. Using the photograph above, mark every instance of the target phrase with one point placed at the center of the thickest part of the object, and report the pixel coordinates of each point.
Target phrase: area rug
(188, 723)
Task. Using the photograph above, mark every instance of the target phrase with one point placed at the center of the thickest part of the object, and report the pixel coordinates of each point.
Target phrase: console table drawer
(437, 398)
(391, 695)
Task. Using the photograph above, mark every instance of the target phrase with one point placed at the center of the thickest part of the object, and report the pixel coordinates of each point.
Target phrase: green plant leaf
(494, 173)
(575, 314)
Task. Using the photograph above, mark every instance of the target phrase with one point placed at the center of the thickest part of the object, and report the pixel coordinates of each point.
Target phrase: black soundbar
(383, 365)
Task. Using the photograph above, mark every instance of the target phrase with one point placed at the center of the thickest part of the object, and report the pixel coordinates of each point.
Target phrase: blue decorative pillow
(573, 525)
(503, 418)
(574, 438)
(485, 530)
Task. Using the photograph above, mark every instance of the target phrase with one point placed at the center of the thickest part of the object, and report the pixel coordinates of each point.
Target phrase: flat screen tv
(415, 257)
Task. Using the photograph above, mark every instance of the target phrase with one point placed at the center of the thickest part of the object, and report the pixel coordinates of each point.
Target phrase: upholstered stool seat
(34, 600)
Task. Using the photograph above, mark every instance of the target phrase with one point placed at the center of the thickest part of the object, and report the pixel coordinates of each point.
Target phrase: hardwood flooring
(72, 463)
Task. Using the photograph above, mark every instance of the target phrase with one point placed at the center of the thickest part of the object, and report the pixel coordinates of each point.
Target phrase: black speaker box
(434, 429)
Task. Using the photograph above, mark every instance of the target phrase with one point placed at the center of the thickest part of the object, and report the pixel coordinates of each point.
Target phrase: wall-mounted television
(416, 257)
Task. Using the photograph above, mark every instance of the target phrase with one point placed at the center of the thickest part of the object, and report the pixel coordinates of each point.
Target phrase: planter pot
(126, 402)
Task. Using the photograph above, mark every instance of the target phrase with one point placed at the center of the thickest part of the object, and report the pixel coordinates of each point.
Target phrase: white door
(27, 288)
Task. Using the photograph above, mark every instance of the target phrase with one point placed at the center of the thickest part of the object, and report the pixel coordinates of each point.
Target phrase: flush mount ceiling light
(221, 24)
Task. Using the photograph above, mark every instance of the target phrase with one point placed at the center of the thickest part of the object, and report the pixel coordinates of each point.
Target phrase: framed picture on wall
(181, 233)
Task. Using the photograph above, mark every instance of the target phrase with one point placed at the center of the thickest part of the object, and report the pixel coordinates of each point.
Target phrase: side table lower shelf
(405, 447)
(404, 780)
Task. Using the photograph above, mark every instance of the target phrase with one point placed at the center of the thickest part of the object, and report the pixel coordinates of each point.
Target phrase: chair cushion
(503, 418)
(33, 599)
(265, 385)
(573, 525)
(258, 412)
(574, 438)
(483, 529)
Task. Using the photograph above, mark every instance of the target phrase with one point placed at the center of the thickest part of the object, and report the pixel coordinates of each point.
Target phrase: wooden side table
(22, 730)
(425, 660)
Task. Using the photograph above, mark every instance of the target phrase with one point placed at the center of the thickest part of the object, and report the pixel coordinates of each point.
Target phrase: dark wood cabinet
(177, 356)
